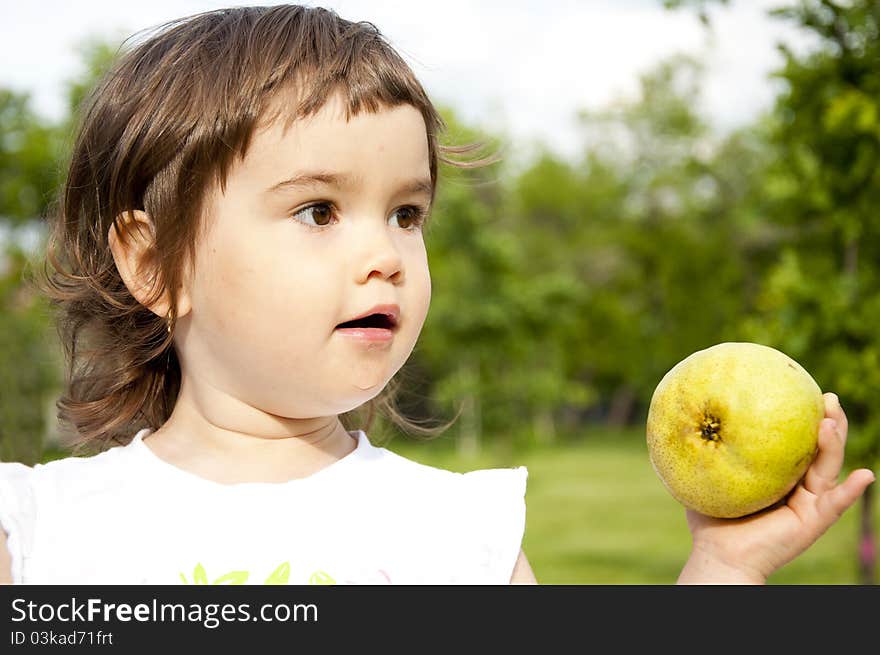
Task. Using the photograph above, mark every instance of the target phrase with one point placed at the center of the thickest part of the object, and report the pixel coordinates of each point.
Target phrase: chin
(361, 395)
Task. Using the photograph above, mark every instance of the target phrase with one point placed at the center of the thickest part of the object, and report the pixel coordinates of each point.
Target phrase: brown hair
(160, 130)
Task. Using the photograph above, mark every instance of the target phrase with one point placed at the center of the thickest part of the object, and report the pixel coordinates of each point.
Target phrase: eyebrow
(343, 181)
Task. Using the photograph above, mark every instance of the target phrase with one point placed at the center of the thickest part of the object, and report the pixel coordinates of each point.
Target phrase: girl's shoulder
(26, 491)
(472, 522)
(67, 474)
(33, 496)
(491, 483)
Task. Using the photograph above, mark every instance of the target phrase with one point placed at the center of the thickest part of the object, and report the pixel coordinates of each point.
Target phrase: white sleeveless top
(125, 516)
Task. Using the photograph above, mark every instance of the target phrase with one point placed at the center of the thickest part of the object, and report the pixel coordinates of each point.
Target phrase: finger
(802, 502)
(824, 471)
(835, 411)
(832, 504)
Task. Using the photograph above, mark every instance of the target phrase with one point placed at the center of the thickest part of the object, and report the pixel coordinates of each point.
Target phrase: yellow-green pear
(732, 428)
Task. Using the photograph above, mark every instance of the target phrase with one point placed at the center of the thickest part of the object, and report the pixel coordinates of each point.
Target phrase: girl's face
(281, 265)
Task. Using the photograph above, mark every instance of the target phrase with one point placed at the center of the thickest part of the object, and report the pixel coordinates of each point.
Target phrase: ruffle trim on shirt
(17, 514)
(496, 521)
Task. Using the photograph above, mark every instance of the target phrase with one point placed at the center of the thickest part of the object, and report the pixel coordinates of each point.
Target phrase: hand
(748, 550)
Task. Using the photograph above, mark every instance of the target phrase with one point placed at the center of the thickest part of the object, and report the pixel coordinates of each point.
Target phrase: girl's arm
(5, 561)
(522, 572)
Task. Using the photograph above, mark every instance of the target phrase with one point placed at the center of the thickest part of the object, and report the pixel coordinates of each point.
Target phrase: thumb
(834, 502)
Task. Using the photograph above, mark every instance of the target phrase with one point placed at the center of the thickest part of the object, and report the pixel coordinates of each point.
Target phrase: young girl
(239, 260)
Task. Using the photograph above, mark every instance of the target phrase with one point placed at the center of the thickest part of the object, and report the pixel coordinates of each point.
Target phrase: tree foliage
(821, 299)
(33, 151)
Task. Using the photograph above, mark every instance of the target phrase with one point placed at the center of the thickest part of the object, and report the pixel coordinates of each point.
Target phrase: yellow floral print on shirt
(280, 575)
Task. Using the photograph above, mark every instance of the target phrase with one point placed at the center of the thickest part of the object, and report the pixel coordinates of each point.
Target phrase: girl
(240, 265)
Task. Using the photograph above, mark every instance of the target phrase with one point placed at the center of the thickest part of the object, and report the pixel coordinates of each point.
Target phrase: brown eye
(321, 213)
(405, 218)
(413, 217)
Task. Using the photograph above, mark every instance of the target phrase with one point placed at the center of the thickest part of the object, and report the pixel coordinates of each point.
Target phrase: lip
(373, 334)
(391, 311)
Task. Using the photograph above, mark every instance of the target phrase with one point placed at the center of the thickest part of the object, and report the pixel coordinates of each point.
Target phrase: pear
(731, 429)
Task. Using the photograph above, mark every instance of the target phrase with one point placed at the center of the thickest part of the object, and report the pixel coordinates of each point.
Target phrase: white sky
(520, 66)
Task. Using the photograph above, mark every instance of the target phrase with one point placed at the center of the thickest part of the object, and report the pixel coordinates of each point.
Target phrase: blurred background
(675, 173)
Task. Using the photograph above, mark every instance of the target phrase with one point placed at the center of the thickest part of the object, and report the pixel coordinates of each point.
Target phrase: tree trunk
(867, 545)
(543, 426)
(622, 404)
(867, 554)
(851, 257)
(471, 421)
(469, 443)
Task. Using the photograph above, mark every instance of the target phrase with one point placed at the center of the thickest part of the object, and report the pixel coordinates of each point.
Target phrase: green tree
(503, 297)
(469, 322)
(821, 301)
(700, 6)
(29, 149)
(668, 253)
(33, 151)
(28, 160)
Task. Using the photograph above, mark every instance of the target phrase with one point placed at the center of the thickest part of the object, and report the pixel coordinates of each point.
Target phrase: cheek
(263, 295)
(420, 278)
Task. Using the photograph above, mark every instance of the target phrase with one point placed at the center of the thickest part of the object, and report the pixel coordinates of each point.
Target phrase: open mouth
(371, 321)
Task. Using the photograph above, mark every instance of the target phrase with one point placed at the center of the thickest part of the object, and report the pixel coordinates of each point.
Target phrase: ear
(131, 254)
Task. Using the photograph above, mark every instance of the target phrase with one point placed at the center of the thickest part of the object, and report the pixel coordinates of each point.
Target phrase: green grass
(598, 514)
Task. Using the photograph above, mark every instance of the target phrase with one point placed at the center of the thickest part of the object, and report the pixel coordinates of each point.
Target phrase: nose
(378, 252)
